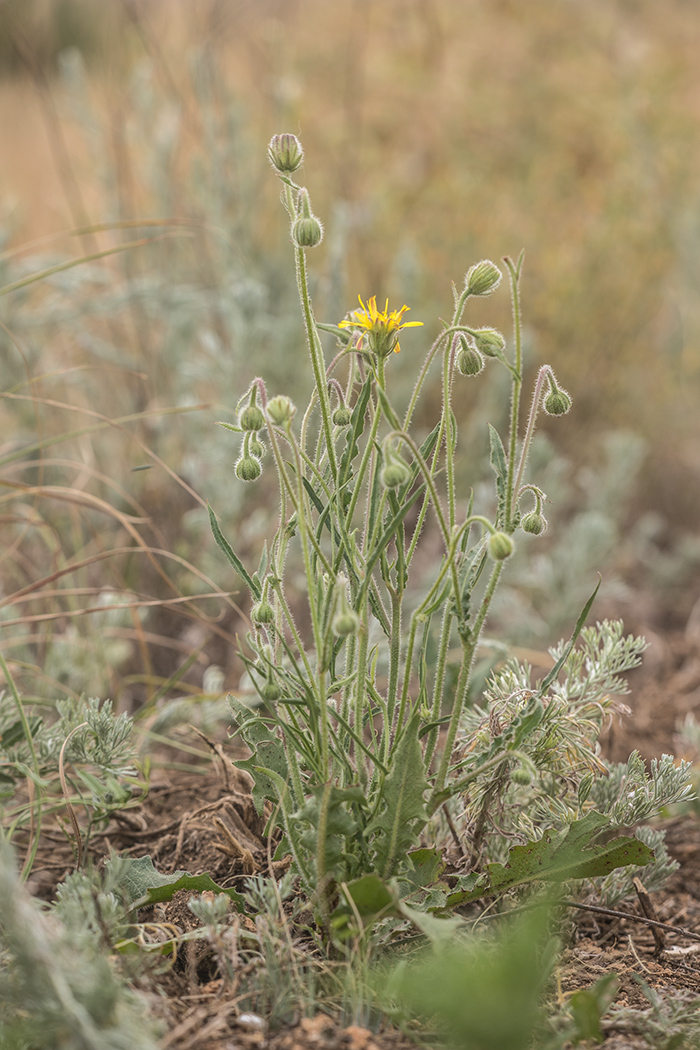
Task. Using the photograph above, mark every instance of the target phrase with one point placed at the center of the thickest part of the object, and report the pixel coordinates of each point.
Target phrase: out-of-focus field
(437, 132)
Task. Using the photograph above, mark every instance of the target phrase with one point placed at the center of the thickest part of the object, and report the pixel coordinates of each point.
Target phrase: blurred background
(436, 133)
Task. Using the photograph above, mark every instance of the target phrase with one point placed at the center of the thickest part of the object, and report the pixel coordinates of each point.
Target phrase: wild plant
(358, 736)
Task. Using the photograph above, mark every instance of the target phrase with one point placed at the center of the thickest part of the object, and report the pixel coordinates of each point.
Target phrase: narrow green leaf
(233, 559)
(357, 425)
(549, 678)
(498, 453)
(403, 811)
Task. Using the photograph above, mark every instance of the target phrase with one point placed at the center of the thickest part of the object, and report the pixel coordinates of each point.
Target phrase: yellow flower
(381, 327)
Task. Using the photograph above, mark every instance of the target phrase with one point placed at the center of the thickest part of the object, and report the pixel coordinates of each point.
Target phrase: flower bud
(251, 418)
(469, 360)
(263, 612)
(285, 153)
(346, 621)
(248, 468)
(501, 546)
(270, 692)
(395, 471)
(307, 230)
(482, 278)
(280, 410)
(520, 775)
(557, 402)
(534, 523)
(342, 417)
(256, 447)
(489, 341)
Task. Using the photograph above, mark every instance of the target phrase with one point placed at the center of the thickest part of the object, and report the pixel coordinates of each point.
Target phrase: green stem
(26, 728)
(316, 350)
(514, 274)
(464, 679)
(439, 682)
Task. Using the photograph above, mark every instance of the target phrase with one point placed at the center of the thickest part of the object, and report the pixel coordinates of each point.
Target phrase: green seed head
(522, 776)
(482, 278)
(248, 468)
(285, 153)
(501, 546)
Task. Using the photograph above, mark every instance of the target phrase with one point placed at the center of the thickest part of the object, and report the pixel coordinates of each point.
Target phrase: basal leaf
(557, 857)
(403, 811)
(145, 885)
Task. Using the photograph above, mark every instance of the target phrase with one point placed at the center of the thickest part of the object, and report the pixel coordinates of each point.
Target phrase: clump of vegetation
(358, 737)
(370, 744)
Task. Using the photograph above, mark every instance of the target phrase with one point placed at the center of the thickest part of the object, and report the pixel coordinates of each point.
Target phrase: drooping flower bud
(469, 360)
(251, 418)
(482, 278)
(535, 523)
(345, 621)
(280, 410)
(307, 229)
(256, 446)
(248, 468)
(342, 416)
(501, 546)
(489, 341)
(557, 402)
(285, 153)
(395, 471)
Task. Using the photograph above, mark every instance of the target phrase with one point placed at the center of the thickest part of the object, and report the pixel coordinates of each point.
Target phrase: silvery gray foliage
(570, 776)
(630, 794)
(57, 985)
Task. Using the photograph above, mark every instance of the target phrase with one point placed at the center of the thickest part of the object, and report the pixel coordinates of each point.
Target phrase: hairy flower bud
(270, 692)
(346, 621)
(285, 153)
(556, 403)
(342, 416)
(482, 278)
(251, 418)
(263, 612)
(501, 546)
(469, 360)
(395, 471)
(248, 468)
(534, 523)
(256, 447)
(280, 410)
(489, 341)
(521, 776)
(307, 230)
